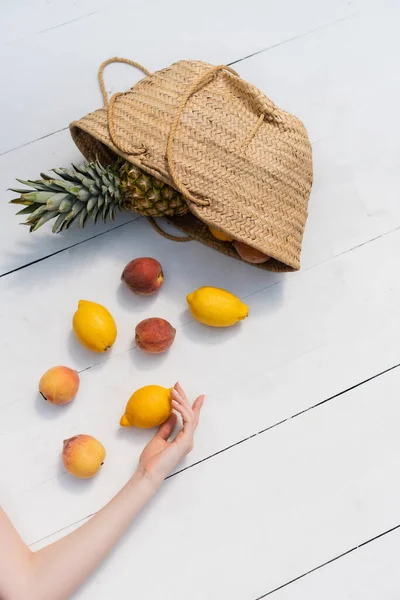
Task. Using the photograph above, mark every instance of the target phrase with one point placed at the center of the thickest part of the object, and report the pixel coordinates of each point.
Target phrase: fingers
(181, 404)
(167, 427)
(197, 404)
(190, 414)
(181, 396)
(186, 412)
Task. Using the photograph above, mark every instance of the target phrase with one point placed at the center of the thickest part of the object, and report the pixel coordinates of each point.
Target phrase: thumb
(167, 427)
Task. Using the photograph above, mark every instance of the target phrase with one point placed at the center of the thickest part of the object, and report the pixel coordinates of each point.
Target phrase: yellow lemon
(94, 326)
(220, 235)
(147, 407)
(216, 308)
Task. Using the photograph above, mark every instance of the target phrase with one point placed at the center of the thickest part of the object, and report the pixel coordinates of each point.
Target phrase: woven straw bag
(243, 165)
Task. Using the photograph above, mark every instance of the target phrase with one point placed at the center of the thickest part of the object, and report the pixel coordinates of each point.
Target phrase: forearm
(59, 569)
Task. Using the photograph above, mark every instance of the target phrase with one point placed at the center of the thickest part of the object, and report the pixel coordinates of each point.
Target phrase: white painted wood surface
(307, 489)
(269, 509)
(369, 572)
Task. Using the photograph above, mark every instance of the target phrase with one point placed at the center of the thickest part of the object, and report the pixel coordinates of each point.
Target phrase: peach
(154, 335)
(144, 276)
(83, 455)
(250, 254)
(59, 385)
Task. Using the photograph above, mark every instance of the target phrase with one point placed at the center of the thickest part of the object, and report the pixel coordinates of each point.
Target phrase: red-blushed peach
(154, 335)
(59, 385)
(83, 455)
(144, 276)
(249, 254)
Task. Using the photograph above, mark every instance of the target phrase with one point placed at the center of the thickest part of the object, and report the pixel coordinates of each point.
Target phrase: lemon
(147, 407)
(216, 308)
(220, 235)
(94, 326)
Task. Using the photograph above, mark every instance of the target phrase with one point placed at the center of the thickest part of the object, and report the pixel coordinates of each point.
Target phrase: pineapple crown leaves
(89, 190)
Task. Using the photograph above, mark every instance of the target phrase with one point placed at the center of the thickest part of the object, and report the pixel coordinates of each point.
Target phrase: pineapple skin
(148, 195)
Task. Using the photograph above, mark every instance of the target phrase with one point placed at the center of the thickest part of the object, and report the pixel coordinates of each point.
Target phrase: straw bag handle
(110, 103)
(264, 105)
(198, 84)
(113, 135)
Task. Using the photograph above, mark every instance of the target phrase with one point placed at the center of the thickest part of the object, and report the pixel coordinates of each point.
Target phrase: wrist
(147, 480)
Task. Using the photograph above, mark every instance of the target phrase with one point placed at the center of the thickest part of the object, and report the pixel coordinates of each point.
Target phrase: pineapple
(93, 191)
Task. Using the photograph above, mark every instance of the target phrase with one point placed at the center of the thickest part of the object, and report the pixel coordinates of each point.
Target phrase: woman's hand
(161, 456)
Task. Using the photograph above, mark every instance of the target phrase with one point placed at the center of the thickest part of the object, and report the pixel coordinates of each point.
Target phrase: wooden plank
(25, 18)
(29, 17)
(93, 272)
(62, 84)
(354, 197)
(17, 246)
(333, 80)
(307, 338)
(368, 572)
(328, 485)
(333, 90)
(265, 511)
(367, 214)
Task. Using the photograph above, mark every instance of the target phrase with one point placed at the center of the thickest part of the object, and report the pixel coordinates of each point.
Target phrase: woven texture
(243, 164)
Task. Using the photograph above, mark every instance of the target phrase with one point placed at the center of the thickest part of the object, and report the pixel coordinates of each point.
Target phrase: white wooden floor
(293, 489)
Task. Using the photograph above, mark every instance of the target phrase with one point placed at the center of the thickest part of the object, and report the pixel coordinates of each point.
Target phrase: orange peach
(144, 276)
(154, 335)
(83, 455)
(250, 254)
(59, 385)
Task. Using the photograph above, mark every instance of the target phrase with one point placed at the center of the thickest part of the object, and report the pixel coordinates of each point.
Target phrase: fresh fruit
(216, 308)
(94, 191)
(144, 276)
(94, 326)
(220, 235)
(154, 335)
(250, 254)
(147, 407)
(83, 455)
(59, 385)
